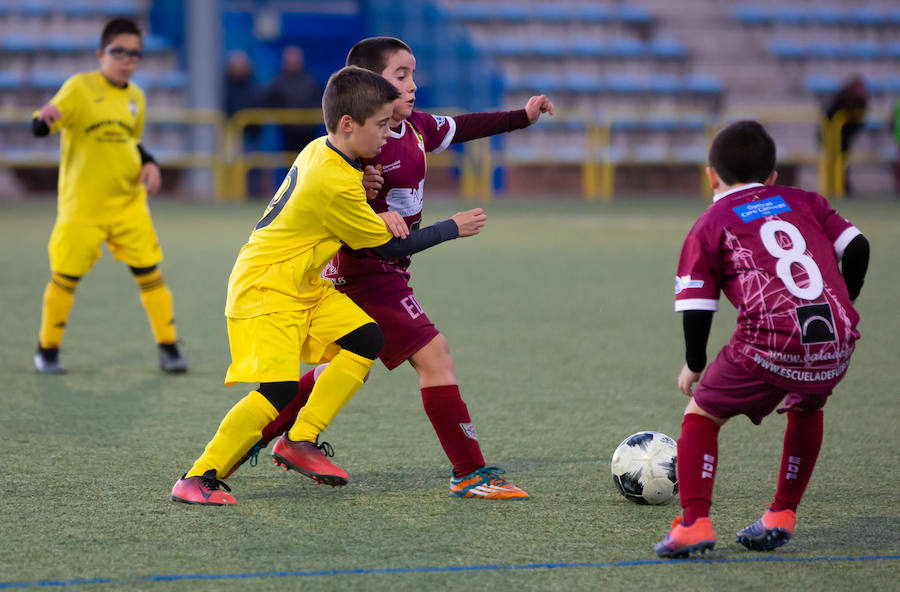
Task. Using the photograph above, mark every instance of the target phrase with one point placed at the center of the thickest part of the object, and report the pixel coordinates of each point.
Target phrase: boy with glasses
(105, 175)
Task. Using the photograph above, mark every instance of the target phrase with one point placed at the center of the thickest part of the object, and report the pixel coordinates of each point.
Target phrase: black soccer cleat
(170, 359)
(46, 361)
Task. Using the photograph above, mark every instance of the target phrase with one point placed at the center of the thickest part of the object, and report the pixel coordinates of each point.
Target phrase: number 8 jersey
(774, 252)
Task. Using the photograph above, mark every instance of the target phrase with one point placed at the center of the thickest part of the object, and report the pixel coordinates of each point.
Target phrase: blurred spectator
(242, 92)
(852, 99)
(295, 88)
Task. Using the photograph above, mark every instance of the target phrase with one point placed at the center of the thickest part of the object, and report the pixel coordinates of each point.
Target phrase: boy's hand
(686, 380)
(537, 105)
(372, 182)
(150, 176)
(470, 221)
(395, 223)
(49, 114)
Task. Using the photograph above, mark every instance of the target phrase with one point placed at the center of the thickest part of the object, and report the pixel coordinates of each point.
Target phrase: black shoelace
(326, 448)
(212, 482)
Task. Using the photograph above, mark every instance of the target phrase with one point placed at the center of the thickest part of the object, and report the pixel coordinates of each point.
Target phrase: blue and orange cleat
(682, 541)
(203, 490)
(310, 459)
(485, 483)
(771, 531)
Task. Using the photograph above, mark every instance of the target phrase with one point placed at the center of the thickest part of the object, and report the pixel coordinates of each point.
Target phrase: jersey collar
(719, 196)
(354, 163)
(401, 133)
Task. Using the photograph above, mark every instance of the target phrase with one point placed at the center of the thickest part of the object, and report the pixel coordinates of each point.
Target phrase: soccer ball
(643, 468)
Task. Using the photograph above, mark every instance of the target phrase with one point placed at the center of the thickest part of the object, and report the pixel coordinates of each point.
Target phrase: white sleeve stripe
(696, 304)
(449, 137)
(842, 241)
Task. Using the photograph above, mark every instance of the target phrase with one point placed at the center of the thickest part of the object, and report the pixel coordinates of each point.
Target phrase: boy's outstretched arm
(471, 126)
(468, 223)
(854, 264)
(696, 325)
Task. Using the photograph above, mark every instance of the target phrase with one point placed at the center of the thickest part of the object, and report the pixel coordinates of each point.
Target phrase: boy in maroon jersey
(394, 182)
(774, 252)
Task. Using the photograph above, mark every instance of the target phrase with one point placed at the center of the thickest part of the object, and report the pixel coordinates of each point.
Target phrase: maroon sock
(288, 415)
(698, 452)
(802, 441)
(450, 418)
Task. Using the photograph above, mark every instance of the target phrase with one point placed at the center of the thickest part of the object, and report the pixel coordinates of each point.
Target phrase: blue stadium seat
(63, 44)
(11, 79)
(821, 84)
(891, 84)
(47, 79)
(664, 84)
(508, 47)
(891, 49)
(121, 8)
(625, 84)
(79, 9)
(593, 13)
(790, 15)
(19, 43)
(155, 43)
(548, 48)
(589, 47)
(825, 49)
(866, 50)
(172, 80)
(626, 47)
(472, 11)
(787, 49)
(552, 13)
(670, 49)
(582, 83)
(36, 8)
(866, 17)
(828, 15)
(752, 15)
(511, 12)
(702, 84)
(632, 14)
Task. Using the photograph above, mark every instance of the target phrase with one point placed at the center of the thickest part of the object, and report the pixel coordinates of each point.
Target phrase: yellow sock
(334, 388)
(240, 429)
(157, 300)
(58, 298)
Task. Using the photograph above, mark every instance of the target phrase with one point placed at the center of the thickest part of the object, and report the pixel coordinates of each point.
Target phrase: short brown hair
(116, 27)
(373, 53)
(743, 152)
(355, 92)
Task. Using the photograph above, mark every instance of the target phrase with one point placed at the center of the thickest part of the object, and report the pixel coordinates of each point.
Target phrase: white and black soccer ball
(643, 468)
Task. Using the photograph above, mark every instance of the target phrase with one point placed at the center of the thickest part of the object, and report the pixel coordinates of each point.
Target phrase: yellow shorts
(75, 247)
(269, 348)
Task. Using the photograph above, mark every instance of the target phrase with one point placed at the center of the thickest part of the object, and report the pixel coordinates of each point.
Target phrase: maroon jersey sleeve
(697, 283)
(838, 229)
(437, 131)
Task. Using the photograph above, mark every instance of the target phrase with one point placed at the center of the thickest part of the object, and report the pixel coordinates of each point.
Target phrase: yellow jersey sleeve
(354, 222)
(68, 100)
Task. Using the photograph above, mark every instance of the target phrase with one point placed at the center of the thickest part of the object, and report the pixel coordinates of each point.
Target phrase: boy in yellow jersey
(104, 178)
(281, 312)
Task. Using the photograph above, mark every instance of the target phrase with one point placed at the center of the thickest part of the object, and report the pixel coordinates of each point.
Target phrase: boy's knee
(279, 394)
(366, 341)
(136, 271)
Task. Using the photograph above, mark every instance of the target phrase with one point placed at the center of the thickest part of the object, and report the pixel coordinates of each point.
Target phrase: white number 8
(787, 257)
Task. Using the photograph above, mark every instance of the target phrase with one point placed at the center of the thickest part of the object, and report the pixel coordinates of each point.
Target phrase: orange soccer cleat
(485, 483)
(310, 459)
(203, 490)
(771, 531)
(682, 541)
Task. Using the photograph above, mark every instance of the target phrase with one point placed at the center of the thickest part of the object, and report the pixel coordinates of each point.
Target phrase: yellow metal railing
(229, 164)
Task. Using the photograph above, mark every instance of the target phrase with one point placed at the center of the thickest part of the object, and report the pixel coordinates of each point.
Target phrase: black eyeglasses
(122, 54)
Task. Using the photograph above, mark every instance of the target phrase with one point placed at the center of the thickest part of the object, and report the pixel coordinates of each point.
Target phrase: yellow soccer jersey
(101, 126)
(320, 205)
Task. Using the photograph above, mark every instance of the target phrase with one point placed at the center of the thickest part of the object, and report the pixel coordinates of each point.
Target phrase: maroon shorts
(389, 300)
(727, 390)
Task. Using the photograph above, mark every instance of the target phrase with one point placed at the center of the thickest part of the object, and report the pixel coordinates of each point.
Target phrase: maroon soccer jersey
(402, 161)
(774, 252)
